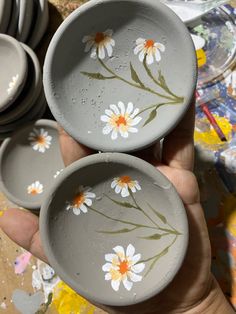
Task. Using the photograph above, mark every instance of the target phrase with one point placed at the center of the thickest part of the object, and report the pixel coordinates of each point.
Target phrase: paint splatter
(3, 306)
(22, 262)
(65, 300)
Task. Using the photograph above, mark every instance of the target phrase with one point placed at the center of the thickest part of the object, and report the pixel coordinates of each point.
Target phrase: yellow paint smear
(1, 213)
(66, 300)
(229, 213)
(209, 139)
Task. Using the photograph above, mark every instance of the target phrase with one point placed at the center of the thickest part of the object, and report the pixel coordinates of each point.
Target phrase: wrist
(214, 302)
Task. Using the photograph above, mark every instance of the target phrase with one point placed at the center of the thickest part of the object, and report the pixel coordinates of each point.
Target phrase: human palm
(192, 282)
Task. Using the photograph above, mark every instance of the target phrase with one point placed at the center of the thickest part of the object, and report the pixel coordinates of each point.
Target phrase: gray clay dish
(29, 94)
(5, 13)
(40, 24)
(113, 207)
(123, 82)
(32, 114)
(25, 19)
(12, 27)
(14, 67)
(29, 162)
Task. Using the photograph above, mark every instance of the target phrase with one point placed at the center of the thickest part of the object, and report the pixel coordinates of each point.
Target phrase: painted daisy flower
(82, 198)
(35, 188)
(120, 120)
(99, 43)
(148, 48)
(12, 84)
(40, 140)
(124, 184)
(123, 267)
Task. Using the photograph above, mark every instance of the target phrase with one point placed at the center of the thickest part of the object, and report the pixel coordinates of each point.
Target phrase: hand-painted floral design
(122, 267)
(82, 198)
(123, 184)
(35, 188)
(99, 43)
(40, 140)
(58, 173)
(120, 120)
(149, 49)
(12, 84)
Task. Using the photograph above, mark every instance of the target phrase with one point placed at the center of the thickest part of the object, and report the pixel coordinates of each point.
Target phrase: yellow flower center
(125, 179)
(149, 43)
(78, 199)
(99, 37)
(41, 139)
(123, 267)
(121, 120)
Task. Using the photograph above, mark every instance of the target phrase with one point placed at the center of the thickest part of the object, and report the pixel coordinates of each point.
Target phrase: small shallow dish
(25, 19)
(14, 69)
(124, 82)
(5, 13)
(41, 22)
(29, 94)
(32, 155)
(114, 207)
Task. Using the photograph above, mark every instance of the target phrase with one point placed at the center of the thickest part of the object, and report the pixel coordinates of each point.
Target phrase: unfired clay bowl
(29, 163)
(14, 69)
(5, 13)
(123, 81)
(114, 207)
(25, 19)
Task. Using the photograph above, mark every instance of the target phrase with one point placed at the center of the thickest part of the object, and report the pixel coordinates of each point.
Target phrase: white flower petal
(140, 41)
(138, 268)
(108, 276)
(130, 251)
(110, 257)
(150, 58)
(113, 183)
(134, 277)
(137, 185)
(109, 49)
(115, 284)
(105, 118)
(136, 111)
(118, 189)
(88, 201)
(87, 38)
(127, 284)
(130, 107)
(138, 48)
(133, 189)
(93, 54)
(122, 107)
(107, 267)
(108, 112)
(76, 210)
(107, 129)
(141, 56)
(115, 109)
(160, 47)
(125, 192)
(133, 130)
(114, 135)
(119, 251)
(90, 194)
(88, 46)
(124, 134)
(83, 208)
(101, 52)
(135, 121)
(112, 42)
(108, 32)
(136, 258)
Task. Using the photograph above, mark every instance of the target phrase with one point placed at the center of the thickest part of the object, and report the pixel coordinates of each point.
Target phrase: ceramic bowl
(124, 81)
(25, 19)
(114, 207)
(29, 94)
(12, 27)
(5, 13)
(13, 70)
(29, 163)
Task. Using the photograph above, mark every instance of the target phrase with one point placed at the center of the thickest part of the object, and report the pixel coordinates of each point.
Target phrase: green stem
(133, 84)
(157, 106)
(120, 220)
(149, 73)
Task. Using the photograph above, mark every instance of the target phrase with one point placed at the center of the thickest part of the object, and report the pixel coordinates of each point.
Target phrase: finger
(22, 227)
(70, 149)
(178, 146)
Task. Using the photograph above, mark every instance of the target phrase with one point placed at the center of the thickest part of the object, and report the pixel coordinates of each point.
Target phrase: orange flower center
(149, 43)
(123, 267)
(125, 179)
(33, 192)
(79, 199)
(121, 120)
(99, 37)
(41, 139)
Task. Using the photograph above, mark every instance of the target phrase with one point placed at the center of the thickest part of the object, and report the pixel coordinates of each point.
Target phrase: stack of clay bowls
(26, 20)
(22, 98)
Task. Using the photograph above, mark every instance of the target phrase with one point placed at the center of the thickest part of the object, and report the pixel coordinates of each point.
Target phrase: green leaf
(170, 231)
(164, 252)
(134, 76)
(159, 215)
(155, 236)
(123, 204)
(97, 76)
(125, 230)
(151, 117)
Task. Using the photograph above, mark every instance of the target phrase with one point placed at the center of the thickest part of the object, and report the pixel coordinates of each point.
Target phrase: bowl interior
(79, 100)
(85, 219)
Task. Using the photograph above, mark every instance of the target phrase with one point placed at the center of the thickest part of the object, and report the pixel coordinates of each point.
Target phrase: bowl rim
(5, 143)
(22, 71)
(49, 64)
(44, 218)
